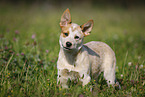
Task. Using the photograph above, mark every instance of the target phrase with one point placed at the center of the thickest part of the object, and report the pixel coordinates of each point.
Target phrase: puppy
(83, 61)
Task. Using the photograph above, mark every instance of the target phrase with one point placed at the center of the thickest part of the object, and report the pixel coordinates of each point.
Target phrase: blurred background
(64, 3)
(115, 21)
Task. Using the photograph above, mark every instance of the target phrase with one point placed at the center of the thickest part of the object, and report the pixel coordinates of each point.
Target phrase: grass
(29, 49)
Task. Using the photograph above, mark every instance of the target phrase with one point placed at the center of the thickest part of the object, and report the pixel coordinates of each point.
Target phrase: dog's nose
(68, 44)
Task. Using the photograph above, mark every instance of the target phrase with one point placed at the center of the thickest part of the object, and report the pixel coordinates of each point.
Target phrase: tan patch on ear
(86, 34)
(65, 18)
(87, 27)
(66, 12)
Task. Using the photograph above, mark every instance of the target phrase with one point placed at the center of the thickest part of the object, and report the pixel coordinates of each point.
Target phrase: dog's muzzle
(68, 45)
(66, 48)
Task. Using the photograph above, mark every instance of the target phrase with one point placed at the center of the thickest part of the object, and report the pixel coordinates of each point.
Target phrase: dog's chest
(71, 74)
(74, 68)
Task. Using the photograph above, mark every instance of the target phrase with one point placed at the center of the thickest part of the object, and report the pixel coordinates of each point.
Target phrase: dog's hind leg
(109, 69)
(63, 82)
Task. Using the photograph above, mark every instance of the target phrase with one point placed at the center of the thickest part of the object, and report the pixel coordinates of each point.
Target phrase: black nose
(68, 44)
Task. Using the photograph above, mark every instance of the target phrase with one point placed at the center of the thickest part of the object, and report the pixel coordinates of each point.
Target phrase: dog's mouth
(66, 48)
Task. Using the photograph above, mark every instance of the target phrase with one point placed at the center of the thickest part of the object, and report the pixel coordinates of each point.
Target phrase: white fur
(84, 61)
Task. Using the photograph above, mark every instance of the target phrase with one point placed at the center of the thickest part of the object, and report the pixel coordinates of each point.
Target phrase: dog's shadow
(91, 52)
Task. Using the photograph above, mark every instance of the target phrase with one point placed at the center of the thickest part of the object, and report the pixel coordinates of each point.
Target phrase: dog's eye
(66, 34)
(77, 37)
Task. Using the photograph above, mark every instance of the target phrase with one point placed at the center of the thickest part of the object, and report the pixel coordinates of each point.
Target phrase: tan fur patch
(65, 72)
(66, 28)
(63, 34)
(74, 74)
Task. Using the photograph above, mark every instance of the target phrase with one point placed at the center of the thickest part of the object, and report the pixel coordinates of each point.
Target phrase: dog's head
(72, 35)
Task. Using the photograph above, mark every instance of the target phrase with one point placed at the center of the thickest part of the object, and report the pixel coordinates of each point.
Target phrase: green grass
(28, 63)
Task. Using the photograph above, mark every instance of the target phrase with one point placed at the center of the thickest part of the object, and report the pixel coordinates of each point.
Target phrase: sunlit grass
(29, 49)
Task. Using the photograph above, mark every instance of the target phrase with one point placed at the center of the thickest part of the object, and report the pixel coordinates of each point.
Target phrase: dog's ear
(65, 18)
(87, 27)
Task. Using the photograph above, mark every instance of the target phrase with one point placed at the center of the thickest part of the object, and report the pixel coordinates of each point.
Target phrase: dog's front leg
(86, 80)
(62, 78)
(63, 81)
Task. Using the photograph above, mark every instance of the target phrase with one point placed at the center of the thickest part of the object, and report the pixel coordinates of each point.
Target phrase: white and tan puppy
(83, 61)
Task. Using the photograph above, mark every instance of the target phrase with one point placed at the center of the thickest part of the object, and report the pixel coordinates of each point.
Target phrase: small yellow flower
(11, 91)
(9, 96)
(48, 84)
(8, 73)
(36, 69)
(86, 89)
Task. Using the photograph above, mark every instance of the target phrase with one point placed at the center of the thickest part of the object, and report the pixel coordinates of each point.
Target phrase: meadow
(29, 46)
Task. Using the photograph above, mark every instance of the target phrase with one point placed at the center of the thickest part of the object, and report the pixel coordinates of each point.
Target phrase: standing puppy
(83, 61)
